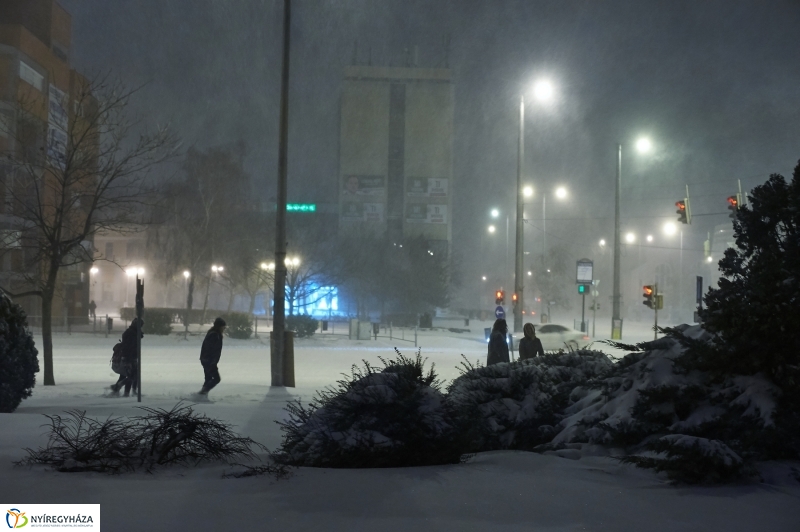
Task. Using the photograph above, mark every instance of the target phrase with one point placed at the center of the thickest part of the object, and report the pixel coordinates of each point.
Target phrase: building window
(29, 74)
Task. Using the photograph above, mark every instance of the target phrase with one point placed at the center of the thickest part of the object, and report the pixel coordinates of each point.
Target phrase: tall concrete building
(396, 156)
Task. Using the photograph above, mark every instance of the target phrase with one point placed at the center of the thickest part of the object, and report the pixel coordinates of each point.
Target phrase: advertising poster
(426, 187)
(363, 185)
(416, 213)
(373, 212)
(437, 214)
(437, 187)
(352, 211)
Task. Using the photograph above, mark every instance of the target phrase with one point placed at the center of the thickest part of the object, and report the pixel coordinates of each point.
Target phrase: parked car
(554, 336)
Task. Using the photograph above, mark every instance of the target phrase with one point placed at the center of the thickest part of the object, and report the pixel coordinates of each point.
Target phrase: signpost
(500, 313)
(584, 278)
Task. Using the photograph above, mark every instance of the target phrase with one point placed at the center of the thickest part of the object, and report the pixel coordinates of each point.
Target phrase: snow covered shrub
(157, 321)
(18, 356)
(240, 325)
(302, 325)
(116, 445)
(515, 405)
(393, 417)
(691, 460)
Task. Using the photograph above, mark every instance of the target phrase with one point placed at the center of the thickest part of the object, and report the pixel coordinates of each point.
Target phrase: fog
(713, 84)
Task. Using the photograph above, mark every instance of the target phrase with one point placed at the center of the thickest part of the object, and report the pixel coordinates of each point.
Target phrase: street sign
(499, 313)
(301, 207)
(585, 267)
(699, 294)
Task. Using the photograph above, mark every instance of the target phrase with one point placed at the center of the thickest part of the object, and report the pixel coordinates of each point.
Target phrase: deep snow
(501, 490)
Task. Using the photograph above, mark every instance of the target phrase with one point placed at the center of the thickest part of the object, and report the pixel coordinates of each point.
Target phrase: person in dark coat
(530, 346)
(210, 354)
(498, 346)
(130, 368)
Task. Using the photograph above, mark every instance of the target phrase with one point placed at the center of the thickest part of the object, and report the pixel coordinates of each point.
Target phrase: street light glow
(130, 272)
(643, 145)
(527, 192)
(543, 90)
(602, 242)
(483, 277)
(491, 229)
(709, 259)
(630, 238)
(561, 192)
(530, 273)
(94, 270)
(649, 238)
(670, 228)
(186, 274)
(495, 213)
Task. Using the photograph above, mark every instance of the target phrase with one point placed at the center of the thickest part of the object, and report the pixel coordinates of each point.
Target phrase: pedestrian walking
(92, 308)
(530, 346)
(210, 354)
(498, 345)
(129, 368)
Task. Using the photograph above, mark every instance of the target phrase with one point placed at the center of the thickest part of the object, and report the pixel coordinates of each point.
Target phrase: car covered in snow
(554, 336)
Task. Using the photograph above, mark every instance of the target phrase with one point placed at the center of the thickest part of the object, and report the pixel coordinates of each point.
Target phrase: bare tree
(83, 170)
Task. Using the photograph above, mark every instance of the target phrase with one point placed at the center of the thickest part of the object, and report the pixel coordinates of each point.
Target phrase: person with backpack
(124, 361)
(210, 354)
(498, 345)
(530, 346)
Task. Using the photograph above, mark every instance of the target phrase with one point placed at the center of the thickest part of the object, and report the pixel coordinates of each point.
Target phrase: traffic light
(583, 288)
(499, 297)
(649, 296)
(733, 206)
(682, 212)
(514, 299)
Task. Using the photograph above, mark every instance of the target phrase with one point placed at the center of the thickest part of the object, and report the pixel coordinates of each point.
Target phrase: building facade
(395, 156)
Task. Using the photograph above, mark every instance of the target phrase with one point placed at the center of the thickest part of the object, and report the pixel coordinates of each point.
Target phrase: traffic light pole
(655, 328)
(583, 313)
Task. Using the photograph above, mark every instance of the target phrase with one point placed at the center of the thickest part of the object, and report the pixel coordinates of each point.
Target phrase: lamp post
(642, 145)
(543, 91)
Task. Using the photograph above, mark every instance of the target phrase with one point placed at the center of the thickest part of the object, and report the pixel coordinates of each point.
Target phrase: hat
(219, 322)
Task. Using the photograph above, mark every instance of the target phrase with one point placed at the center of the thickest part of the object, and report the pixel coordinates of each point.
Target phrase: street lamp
(602, 242)
(543, 91)
(630, 238)
(643, 145)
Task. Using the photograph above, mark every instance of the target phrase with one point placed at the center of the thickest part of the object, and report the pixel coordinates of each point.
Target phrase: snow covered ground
(493, 491)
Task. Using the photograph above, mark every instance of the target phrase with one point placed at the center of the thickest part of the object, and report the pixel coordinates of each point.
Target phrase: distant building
(395, 155)
(35, 40)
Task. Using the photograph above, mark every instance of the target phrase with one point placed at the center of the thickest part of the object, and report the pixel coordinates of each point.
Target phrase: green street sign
(301, 207)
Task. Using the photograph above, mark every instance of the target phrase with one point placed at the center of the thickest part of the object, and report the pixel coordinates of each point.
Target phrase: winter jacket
(529, 348)
(129, 344)
(498, 349)
(212, 348)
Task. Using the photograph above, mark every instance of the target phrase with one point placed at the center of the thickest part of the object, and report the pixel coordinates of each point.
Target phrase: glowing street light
(602, 242)
(670, 228)
(561, 192)
(495, 213)
(649, 238)
(643, 145)
(483, 277)
(543, 90)
(491, 229)
(94, 270)
(527, 192)
(630, 238)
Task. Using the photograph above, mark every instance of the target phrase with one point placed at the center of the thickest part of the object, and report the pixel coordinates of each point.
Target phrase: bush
(160, 437)
(515, 405)
(303, 326)
(394, 417)
(18, 356)
(157, 321)
(691, 460)
(240, 325)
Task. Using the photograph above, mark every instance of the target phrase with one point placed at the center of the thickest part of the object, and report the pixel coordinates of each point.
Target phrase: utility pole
(279, 320)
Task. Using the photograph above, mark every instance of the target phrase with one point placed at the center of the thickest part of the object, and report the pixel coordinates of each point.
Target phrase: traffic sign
(499, 313)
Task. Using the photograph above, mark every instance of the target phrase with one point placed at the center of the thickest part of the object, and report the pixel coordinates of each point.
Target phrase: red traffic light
(681, 205)
(649, 296)
(733, 202)
(498, 294)
(514, 297)
(648, 290)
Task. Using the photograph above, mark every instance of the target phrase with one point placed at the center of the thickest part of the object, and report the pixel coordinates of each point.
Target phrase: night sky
(714, 84)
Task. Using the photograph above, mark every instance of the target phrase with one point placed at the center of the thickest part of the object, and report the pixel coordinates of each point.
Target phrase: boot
(114, 391)
(203, 391)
